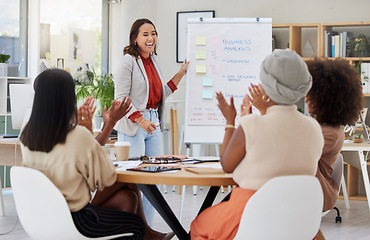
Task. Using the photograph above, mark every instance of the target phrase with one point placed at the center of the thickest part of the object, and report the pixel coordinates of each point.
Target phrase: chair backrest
(286, 208)
(336, 175)
(42, 208)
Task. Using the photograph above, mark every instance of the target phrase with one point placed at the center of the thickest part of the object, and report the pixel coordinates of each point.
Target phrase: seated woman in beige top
(334, 100)
(281, 142)
(73, 160)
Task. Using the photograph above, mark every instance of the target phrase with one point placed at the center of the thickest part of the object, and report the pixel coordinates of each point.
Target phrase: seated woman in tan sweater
(335, 99)
(281, 142)
(73, 160)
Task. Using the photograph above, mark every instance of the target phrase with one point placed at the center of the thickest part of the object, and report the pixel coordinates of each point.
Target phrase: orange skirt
(221, 221)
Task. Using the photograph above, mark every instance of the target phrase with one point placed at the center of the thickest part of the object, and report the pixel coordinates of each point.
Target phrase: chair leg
(2, 211)
(338, 218)
(345, 194)
(182, 202)
(320, 235)
(195, 189)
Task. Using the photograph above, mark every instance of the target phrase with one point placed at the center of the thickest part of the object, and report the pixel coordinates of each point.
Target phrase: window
(13, 35)
(71, 35)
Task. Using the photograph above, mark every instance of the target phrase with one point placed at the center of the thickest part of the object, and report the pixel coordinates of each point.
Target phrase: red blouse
(155, 87)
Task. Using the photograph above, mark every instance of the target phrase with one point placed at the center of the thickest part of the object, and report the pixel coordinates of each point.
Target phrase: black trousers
(94, 221)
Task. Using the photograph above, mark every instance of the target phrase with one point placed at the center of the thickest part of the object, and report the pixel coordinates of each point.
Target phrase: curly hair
(336, 94)
(132, 48)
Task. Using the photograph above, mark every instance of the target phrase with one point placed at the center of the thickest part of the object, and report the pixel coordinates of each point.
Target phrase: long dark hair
(132, 48)
(54, 107)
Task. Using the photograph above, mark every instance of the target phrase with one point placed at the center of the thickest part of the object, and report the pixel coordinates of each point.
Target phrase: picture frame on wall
(181, 30)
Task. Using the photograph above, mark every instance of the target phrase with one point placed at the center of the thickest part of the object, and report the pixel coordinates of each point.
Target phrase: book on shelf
(325, 43)
(340, 44)
(344, 44)
(337, 46)
(333, 46)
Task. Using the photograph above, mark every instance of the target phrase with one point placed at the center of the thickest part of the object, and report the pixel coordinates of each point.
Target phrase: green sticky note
(200, 40)
(200, 68)
(201, 55)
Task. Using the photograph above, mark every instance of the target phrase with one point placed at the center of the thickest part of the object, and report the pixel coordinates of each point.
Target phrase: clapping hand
(228, 110)
(117, 110)
(246, 107)
(257, 98)
(86, 112)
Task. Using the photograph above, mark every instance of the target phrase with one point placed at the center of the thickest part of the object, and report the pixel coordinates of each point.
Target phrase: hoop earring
(266, 98)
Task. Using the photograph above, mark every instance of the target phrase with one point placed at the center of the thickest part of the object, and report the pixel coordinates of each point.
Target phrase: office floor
(355, 225)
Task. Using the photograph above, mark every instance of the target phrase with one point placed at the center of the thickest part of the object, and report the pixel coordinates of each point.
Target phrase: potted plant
(4, 58)
(101, 87)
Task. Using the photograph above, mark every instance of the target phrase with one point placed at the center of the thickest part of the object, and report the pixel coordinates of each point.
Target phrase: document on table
(124, 165)
(205, 168)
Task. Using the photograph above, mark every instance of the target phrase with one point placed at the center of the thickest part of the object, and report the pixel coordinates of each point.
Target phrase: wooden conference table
(147, 184)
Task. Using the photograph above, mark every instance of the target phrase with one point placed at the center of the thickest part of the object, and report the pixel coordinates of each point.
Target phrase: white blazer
(131, 80)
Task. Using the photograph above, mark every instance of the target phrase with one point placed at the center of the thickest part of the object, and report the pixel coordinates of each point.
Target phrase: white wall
(163, 14)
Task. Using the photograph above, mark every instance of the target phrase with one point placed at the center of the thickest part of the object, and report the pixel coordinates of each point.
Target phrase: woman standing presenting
(139, 76)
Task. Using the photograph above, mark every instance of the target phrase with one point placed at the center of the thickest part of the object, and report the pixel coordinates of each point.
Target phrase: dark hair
(132, 48)
(53, 110)
(336, 94)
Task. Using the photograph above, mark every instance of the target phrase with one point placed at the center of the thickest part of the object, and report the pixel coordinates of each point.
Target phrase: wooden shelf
(295, 35)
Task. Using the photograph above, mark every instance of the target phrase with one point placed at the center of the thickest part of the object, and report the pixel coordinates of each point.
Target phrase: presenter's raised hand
(178, 76)
(228, 110)
(183, 68)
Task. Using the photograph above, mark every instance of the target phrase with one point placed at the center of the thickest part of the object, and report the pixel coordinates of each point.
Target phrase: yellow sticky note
(200, 68)
(201, 55)
(200, 40)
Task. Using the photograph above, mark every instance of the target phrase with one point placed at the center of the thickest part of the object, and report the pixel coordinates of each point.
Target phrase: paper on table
(123, 165)
(205, 168)
(206, 165)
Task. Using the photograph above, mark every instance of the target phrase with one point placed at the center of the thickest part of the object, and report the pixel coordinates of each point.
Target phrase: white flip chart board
(225, 55)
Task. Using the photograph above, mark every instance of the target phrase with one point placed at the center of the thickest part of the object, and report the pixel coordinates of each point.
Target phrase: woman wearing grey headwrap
(281, 142)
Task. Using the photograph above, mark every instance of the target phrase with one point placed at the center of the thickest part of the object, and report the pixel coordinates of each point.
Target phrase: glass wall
(71, 35)
(13, 35)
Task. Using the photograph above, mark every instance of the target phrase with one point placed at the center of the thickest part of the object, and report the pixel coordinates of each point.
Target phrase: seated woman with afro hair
(335, 99)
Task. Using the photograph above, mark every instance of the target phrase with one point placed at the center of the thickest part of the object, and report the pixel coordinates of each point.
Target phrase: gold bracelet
(141, 122)
(229, 126)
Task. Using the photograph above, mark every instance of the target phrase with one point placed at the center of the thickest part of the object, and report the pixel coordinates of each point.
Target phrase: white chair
(285, 208)
(42, 208)
(337, 176)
